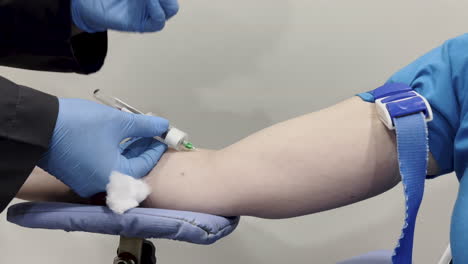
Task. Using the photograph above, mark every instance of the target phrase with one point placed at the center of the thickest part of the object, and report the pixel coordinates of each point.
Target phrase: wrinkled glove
(122, 15)
(138, 145)
(85, 146)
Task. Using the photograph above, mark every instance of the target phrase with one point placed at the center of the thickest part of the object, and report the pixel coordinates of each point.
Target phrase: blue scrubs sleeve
(440, 76)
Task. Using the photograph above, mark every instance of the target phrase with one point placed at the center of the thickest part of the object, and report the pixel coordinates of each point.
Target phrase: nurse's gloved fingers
(143, 126)
(142, 164)
(136, 146)
(123, 146)
(170, 7)
(157, 17)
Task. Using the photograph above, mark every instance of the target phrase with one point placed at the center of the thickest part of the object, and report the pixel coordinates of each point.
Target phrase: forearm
(41, 186)
(319, 161)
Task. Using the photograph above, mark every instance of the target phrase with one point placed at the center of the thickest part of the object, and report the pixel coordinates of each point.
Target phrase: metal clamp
(135, 251)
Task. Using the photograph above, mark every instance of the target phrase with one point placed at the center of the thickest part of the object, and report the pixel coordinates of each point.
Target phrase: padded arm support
(138, 222)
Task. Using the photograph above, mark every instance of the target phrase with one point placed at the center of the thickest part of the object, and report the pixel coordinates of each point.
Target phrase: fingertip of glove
(158, 146)
(154, 26)
(172, 9)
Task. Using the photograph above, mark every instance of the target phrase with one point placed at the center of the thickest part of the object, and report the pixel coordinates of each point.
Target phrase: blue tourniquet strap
(401, 108)
(412, 146)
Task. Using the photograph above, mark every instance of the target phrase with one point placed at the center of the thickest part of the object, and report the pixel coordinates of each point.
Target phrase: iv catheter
(173, 138)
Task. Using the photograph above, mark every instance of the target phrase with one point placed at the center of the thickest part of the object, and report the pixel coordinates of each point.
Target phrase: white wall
(246, 65)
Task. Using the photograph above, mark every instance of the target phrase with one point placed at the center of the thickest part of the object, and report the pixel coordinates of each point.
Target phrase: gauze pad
(125, 192)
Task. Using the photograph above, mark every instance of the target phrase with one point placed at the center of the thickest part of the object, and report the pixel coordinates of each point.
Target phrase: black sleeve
(27, 121)
(37, 35)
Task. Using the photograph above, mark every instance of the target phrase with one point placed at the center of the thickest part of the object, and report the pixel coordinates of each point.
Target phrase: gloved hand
(85, 146)
(137, 146)
(123, 15)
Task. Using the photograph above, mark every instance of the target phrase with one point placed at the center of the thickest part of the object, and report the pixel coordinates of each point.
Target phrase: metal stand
(135, 251)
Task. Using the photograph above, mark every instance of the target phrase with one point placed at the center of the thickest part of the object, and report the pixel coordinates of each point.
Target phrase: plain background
(224, 69)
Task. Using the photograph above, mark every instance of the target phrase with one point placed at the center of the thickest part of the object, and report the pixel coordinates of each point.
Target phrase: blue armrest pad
(138, 222)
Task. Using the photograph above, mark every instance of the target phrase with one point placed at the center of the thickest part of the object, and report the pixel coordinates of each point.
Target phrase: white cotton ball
(125, 192)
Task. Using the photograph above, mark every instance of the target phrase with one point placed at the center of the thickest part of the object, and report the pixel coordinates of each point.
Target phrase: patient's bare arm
(319, 161)
(41, 186)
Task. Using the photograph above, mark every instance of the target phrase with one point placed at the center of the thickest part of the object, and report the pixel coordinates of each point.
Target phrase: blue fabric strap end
(412, 146)
(408, 112)
(389, 89)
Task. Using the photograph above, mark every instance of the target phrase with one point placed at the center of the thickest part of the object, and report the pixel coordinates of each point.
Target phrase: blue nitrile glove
(85, 146)
(441, 76)
(122, 15)
(137, 146)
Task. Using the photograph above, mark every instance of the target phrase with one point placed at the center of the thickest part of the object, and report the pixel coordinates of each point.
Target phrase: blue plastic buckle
(393, 101)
